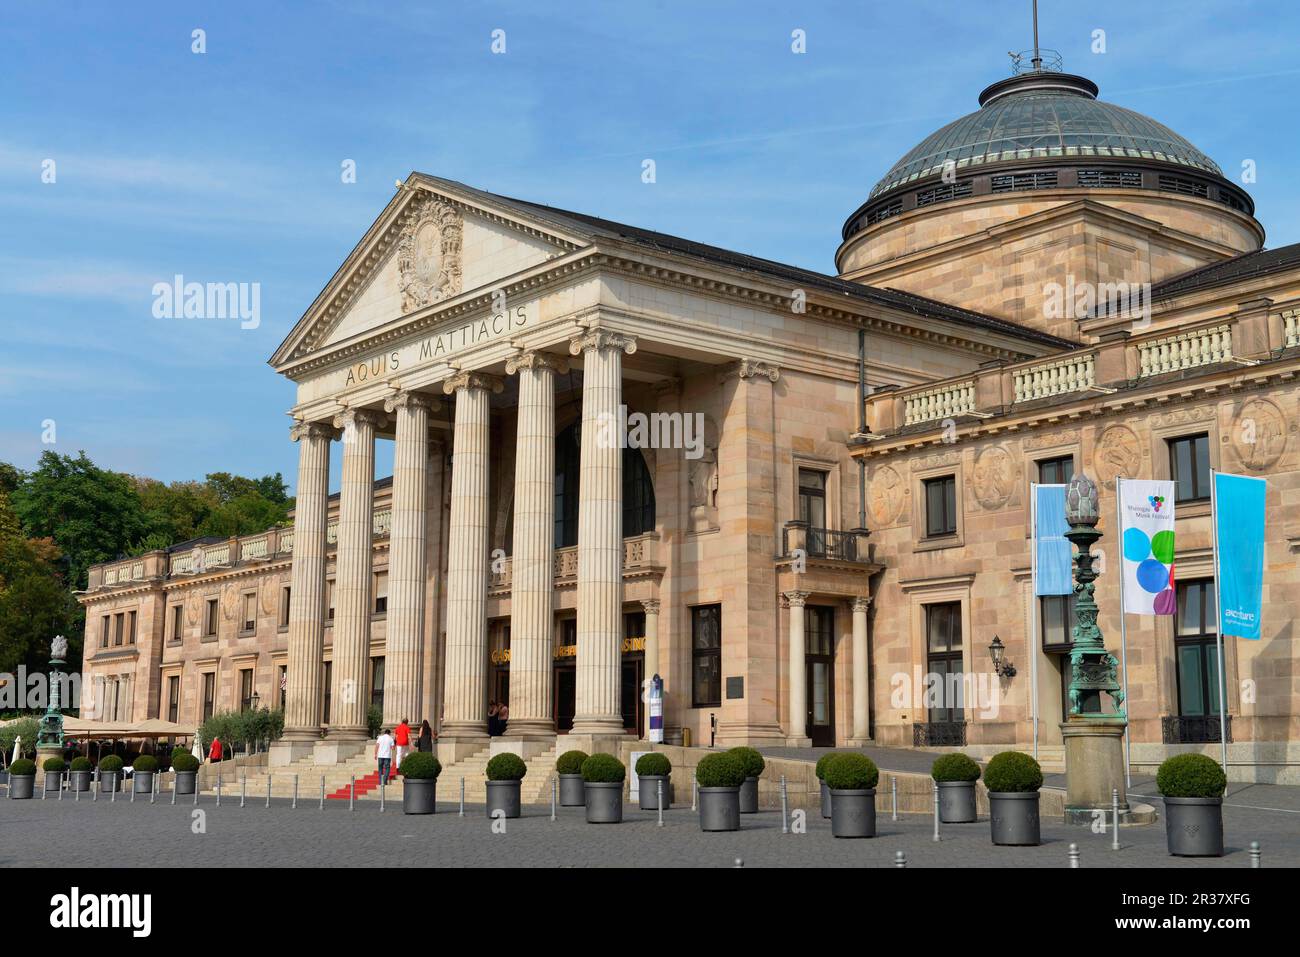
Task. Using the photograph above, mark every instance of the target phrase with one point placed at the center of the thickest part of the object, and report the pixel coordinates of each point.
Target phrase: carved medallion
(1118, 454)
(886, 497)
(192, 608)
(1259, 434)
(270, 595)
(229, 602)
(993, 477)
(428, 254)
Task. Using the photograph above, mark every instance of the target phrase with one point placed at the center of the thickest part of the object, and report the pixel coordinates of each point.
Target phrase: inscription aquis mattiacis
(437, 348)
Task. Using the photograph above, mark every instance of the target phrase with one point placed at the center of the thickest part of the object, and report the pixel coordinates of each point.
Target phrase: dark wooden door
(819, 673)
(632, 696)
(566, 690)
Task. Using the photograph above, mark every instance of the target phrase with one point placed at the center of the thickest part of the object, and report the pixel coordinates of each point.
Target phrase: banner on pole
(1239, 525)
(1146, 509)
(1052, 550)
(656, 710)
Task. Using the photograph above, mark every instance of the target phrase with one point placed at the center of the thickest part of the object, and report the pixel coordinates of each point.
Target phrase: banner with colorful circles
(1146, 510)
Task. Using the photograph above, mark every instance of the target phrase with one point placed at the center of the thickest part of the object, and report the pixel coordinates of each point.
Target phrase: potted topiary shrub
(720, 777)
(602, 777)
(110, 773)
(1013, 779)
(420, 771)
(821, 777)
(22, 778)
(146, 765)
(79, 774)
(651, 770)
(956, 774)
(1193, 785)
(54, 768)
(852, 779)
(504, 772)
(753, 764)
(569, 768)
(186, 766)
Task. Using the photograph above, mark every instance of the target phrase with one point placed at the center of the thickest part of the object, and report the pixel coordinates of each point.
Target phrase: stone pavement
(65, 833)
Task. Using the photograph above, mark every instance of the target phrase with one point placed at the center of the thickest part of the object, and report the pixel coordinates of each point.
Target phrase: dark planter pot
(719, 809)
(185, 781)
(143, 782)
(21, 786)
(826, 800)
(957, 802)
(649, 786)
(53, 780)
(749, 796)
(604, 802)
(503, 796)
(78, 780)
(1013, 818)
(1194, 826)
(853, 813)
(419, 795)
(573, 792)
(110, 781)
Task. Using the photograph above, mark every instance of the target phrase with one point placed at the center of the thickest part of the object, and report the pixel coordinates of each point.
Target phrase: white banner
(1146, 509)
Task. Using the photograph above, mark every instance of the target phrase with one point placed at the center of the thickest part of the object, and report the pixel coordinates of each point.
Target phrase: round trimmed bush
(506, 767)
(570, 762)
(603, 768)
(110, 764)
(750, 760)
(81, 764)
(55, 765)
(820, 770)
(146, 763)
(1013, 772)
(184, 761)
(720, 770)
(23, 767)
(421, 766)
(954, 767)
(1191, 776)
(851, 771)
(653, 764)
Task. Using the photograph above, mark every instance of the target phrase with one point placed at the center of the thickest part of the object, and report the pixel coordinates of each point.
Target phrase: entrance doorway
(566, 691)
(633, 711)
(819, 672)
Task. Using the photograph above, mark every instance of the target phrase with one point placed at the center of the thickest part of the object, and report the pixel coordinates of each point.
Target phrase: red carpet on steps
(364, 786)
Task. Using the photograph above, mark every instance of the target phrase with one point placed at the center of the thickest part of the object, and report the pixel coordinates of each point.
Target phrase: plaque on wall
(735, 687)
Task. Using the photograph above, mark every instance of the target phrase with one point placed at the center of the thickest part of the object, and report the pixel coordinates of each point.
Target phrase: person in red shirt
(402, 739)
(214, 752)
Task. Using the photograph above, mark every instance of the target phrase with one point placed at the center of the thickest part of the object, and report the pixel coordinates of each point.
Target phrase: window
(941, 506)
(282, 683)
(325, 698)
(1189, 465)
(178, 622)
(210, 620)
(130, 628)
(706, 664)
(940, 194)
(103, 632)
(1195, 635)
(209, 694)
(118, 626)
(173, 698)
(943, 661)
(381, 593)
(285, 595)
(1188, 187)
(568, 455)
(377, 683)
(245, 689)
(329, 599)
(1110, 179)
(250, 612)
(812, 509)
(1056, 615)
(638, 495)
(633, 624)
(568, 633)
(1057, 471)
(1045, 179)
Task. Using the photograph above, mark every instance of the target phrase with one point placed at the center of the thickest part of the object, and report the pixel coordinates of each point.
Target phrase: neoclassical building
(619, 453)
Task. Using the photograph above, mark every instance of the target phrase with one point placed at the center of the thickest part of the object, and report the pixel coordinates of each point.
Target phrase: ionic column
(464, 704)
(651, 606)
(532, 584)
(406, 551)
(797, 732)
(303, 693)
(353, 570)
(861, 688)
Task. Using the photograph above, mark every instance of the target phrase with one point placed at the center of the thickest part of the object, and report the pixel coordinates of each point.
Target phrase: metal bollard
(740, 862)
(112, 795)
(294, 806)
(383, 785)
(60, 786)
(352, 793)
(243, 790)
(900, 859)
(935, 787)
(268, 790)
(555, 782)
(1254, 854)
(322, 792)
(94, 783)
(1114, 809)
(1074, 855)
(218, 787)
(695, 788)
(153, 791)
(76, 797)
(44, 790)
(196, 787)
(660, 788)
(893, 787)
(462, 797)
(785, 824)
(132, 800)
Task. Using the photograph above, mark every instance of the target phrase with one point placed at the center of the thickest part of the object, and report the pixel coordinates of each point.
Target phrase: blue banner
(1239, 525)
(1053, 550)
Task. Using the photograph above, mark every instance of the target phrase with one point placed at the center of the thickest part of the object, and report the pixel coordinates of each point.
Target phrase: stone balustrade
(640, 555)
(1073, 374)
(1291, 328)
(945, 402)
(1185, 350)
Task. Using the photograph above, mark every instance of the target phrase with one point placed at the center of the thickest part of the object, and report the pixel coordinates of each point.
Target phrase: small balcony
(939, 734)
(640, 560)
(1194, 729)
(799, 539)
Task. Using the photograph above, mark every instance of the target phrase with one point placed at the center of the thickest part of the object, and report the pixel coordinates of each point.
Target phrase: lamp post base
(1094, 765)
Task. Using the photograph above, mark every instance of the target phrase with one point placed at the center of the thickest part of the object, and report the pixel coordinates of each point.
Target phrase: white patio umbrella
(197, 749)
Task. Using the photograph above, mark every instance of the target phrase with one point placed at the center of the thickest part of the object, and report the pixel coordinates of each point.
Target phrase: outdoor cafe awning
(149, 728)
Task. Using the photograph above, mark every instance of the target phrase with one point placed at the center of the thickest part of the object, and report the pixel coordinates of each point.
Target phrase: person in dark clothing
(425, 741)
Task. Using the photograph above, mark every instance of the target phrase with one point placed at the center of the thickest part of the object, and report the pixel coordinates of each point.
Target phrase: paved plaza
(101, 833)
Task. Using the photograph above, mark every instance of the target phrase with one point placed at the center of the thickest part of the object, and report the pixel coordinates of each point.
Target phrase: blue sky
(225, 166)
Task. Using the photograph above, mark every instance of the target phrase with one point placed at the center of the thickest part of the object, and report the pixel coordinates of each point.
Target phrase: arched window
(638, 489)
(638, 495)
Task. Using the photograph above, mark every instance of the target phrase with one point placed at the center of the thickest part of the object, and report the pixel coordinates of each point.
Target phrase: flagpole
(1033, 610)
(1123, 631)
(1218, 619)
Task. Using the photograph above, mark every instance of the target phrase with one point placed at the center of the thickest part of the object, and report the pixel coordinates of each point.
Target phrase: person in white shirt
(384, 754)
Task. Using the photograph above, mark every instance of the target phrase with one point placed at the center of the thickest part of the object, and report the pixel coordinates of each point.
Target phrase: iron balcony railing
(939, 734)
(1193, 729)
(825, 543)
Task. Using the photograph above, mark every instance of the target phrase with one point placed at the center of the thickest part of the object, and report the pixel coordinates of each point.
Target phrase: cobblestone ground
(37, 832)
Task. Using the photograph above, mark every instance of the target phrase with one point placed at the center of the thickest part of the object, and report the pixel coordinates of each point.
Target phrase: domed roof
(1043, 115)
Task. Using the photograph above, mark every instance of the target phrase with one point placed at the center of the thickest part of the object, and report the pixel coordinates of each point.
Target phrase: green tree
(35, 603)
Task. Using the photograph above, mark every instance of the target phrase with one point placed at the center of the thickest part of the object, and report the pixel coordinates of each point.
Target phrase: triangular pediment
(434, 242)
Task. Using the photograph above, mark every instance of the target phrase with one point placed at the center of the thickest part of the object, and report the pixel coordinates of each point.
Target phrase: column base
(856, 742)
(334, 751)
(286, 751)
(526, 746)
(798, 742)
(598, 724)
(308, 735)
(592, 743)
(1094, 764)
(457, 747)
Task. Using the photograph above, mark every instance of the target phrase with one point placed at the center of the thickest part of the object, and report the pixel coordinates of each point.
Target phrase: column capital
(313, 430)
(651, 605)
(794, 599)
(469, 379)
(409, 398)
(598, 339)
(538, 361)
(349, 419)
(860, 603)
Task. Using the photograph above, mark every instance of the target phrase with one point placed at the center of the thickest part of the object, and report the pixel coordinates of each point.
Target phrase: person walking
(214, 752)
(493, 723)
(425, 741)
(384, 754)
(401, 743)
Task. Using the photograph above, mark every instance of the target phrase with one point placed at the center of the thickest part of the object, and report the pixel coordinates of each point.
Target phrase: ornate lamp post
(49, 740)
(1094, 740)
